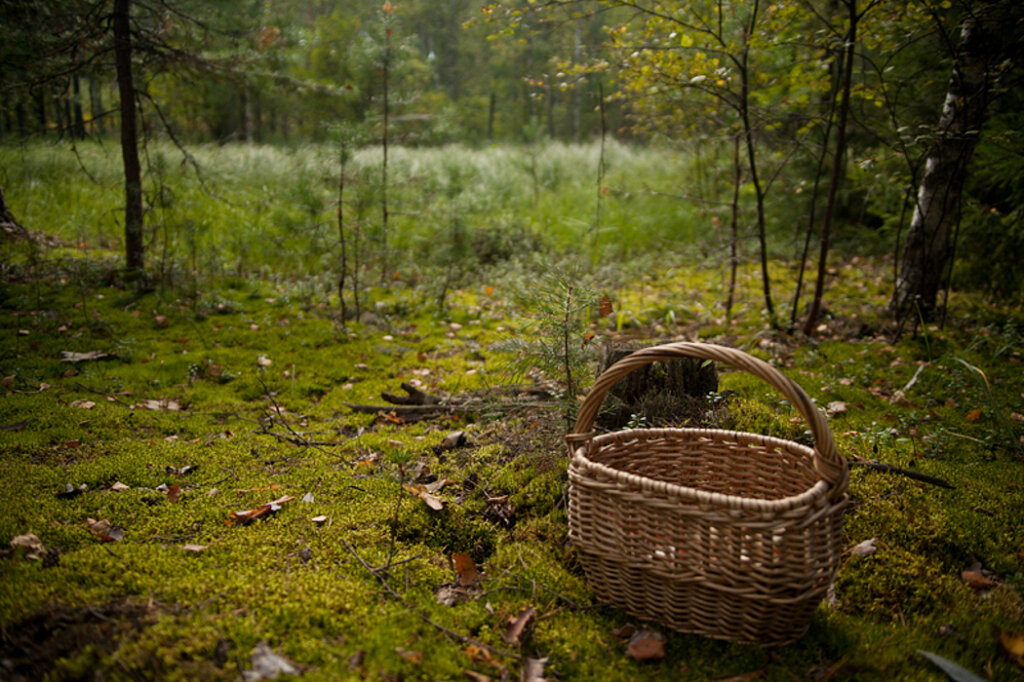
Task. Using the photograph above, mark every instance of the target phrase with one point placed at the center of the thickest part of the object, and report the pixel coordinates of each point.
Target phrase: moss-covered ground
(222, 402)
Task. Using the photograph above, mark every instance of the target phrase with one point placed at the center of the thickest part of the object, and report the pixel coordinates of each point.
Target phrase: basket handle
(829, 464)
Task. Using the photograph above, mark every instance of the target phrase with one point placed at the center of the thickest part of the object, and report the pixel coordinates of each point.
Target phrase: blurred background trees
(810, 126)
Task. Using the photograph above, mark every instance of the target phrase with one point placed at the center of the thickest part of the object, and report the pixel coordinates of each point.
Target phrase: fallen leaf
(409, 655)
(835, 407)
(646, 645)
(70, 356)
(83, 404)
(7, 381)
(319, 520)
(518, 624)
(533, 670)
(174, 493)
(249, 515)
(119, 487)
(475, 676)
(974, 415)
(181, 471)
(866, 548)
(421, 492)
(158, 405)
(308, 498)
(977, 581)
(605, 307)
(161, 321)
(954, 671)
(267, 665)
(32, 545)
(1012, 644)
(264, 361)
(466, 568)
(195, 549)
(104, 531)
(71, 491)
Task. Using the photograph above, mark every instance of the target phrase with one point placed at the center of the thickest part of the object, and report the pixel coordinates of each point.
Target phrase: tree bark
(924, 267)
(133, 244)
(10, 228)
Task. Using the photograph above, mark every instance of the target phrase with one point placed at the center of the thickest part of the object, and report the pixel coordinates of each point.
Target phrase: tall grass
(270, 211)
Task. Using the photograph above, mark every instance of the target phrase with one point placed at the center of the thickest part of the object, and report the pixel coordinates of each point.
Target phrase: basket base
(696, 607)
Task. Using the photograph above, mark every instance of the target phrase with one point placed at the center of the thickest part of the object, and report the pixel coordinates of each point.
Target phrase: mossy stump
(670, 393)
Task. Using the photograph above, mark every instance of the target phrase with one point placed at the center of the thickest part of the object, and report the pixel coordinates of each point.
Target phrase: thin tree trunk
(812, 214)
(836, 177)
(133, 244)
(342, 158)
(929, 247)
(78, 125)
(748, 135)
(95, 105)
(384, 268)
(734, 227)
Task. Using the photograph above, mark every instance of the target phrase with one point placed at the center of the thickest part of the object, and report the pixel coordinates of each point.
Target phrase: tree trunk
(133, 244)
(924, 268)
(10, 228)
(836, 177)
(748, 136)
(78, 122)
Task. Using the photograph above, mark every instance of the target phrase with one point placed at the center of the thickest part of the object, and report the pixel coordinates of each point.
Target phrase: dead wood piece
(415, 397)
(924, 478)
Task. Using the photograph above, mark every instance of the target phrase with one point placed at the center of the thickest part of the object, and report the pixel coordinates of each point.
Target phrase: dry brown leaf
(71, 356)
(195, 549)
(974, 415)
(410, 655)
(866, 548)
(466, 568)
(835, 407)
(977, 581)
(104, 531)
(475, 676)
(249, 515)
(119, 487)
(83, 404)
(7, 381)
(1013, 646)
(518, 624)
(32, 545)
(158, 405)
(647, 645)
(174, 493)
(161, 321)
(421, 492)
(533, 670)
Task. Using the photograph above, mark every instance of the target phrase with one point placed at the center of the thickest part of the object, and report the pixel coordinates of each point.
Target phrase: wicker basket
(720, 533)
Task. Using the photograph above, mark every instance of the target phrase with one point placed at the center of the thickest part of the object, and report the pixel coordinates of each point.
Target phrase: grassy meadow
(138, 422)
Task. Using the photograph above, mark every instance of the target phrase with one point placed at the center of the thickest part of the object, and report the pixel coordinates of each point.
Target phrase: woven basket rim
(646, 484)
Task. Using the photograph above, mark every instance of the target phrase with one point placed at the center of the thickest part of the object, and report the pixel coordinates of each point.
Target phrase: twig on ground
(465, 639)
(924, 478)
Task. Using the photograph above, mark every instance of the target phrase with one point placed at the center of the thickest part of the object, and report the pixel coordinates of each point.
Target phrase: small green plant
(997, 408)
(555, 340)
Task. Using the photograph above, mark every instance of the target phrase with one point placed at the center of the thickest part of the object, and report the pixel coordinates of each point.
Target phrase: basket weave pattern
(726, 534)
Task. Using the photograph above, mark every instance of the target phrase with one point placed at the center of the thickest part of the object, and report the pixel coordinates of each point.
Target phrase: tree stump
(10, 228)
(668, 393)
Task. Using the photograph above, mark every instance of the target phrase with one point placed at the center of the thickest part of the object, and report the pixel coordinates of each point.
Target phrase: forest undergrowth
(188, 493)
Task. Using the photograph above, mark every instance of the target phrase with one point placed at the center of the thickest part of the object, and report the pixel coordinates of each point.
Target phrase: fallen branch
(879, 466)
